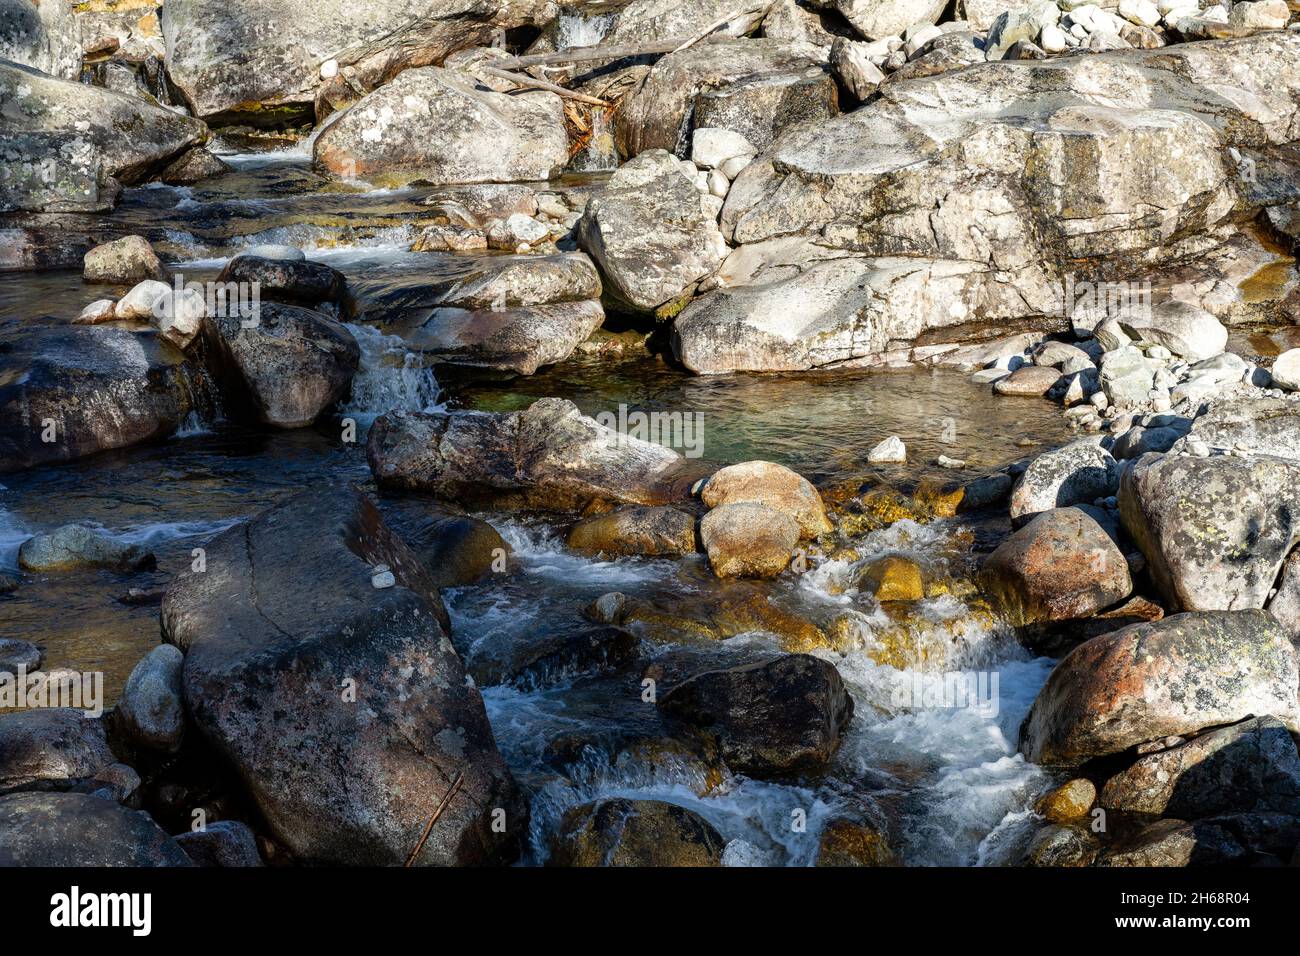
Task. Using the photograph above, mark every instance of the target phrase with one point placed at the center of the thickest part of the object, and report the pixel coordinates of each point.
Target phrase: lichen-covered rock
(74, 546)
(1214, 531)
(548, 456)
(621, 832)
(42, 34)
(281, 51)
(1258, 426)
(851, 842)
(384, 727)
(1250, 766)
(1067, 803)
(1062, 845)
(772, 718)
(1078, 473)
(1165, 678)
(77, 829)
(63, 147)
(287, 365)
(635, 530)
(1059, 567)
(438, 125)
(877, 19)
(649, 235)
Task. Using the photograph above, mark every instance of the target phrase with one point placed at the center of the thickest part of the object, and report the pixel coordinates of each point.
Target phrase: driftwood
(536, 84)
(442, 805)
(585, 54)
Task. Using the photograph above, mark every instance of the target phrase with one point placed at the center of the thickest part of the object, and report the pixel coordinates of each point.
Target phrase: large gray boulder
(150, 710)
(1165, 678)
(43, 35)
(1214, 531)
(1258, 426)
(548, 456)
(1077, 473)
(441, 126)
(93, 388)
(649, 234)
(876, 19)
(77, 829)
(249, 59)
(288, 365)
(68, 147)
(341, 704)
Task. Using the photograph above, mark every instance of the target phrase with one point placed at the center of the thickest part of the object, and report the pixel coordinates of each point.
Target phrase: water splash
(390, 378)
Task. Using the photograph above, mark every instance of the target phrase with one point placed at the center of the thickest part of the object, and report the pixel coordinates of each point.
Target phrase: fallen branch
(758, 12)
(537, 84)
(587, 53)
(446, 799)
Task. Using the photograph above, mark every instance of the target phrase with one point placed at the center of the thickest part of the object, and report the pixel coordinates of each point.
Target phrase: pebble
(382, 577)
(891, 450)
(943, 461)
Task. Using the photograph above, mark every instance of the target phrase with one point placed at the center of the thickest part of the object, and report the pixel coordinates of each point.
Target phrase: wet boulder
(774, 718)
(1061, 566)
(635, 530)
(506, 315)
(1164, 678)
(548, 456)
(1062, 845)
(456, 549)
(1214, 531)
(622, 832)
(284, 58)
(193, 167)
(77, 829)
(74, 546)
(16, 654)
(1250, 766)
(765, 483)
(384, 734)
(287, 364)
(1077, 473)
(44, 36)
(89, 389)
(649, 235)
(150, 711)
(440, 126)
(746, 539)
(295, 281)
(50, 747)
(63, 144)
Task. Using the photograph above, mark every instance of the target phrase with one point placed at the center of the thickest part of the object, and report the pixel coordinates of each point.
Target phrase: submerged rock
(16, 654)
(440, 126)
(783, 716)
(1214, 531)
(287, 364)
(651, 531)
(75, 546)
(622, 832)
(76, 829)
(549, 456)
(1168, 677)
(384, 728)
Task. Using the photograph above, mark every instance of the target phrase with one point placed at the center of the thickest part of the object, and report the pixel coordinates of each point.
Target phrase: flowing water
(945, 780)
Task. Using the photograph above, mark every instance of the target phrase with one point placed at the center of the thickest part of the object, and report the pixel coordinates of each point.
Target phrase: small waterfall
(600, 154)
(576, 28)
(390, 378)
